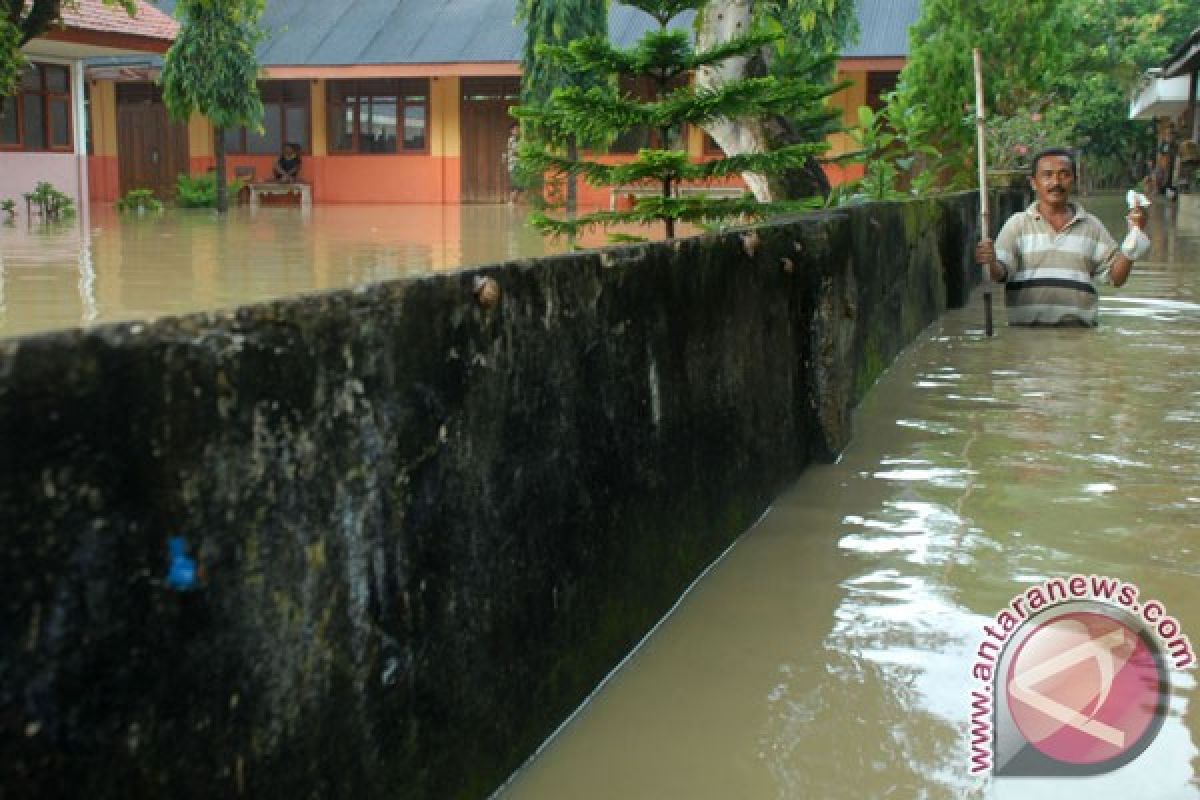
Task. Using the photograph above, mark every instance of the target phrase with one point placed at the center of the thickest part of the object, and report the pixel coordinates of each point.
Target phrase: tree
(21, 22)
(1021, 43)
(664, 58)
(811, 34)
(212, 68)
(1073, 62)
(1117, 41)
(556, 22)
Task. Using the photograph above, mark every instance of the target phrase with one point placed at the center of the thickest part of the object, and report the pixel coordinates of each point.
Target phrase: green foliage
(1013, 140)
(809, 30)
(12, 60)
(200, 191)
(21, 22)
(1117, 40)
(550, 23)
(1075, 61)
(49, 202)
(896, 162)
(603, 111)
(141, 200)
(1021, 44)
(212, 68)
(9, 207)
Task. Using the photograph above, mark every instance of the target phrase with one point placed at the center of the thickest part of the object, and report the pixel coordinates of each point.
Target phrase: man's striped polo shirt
(1049, 274)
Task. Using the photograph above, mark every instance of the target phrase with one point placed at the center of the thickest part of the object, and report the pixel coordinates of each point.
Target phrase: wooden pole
(985, 228)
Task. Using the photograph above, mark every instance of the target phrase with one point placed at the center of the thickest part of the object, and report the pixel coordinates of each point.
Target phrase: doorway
(485, 122)
(151, 150)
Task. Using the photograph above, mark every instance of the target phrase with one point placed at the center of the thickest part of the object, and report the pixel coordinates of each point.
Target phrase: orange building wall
(847, 101)
(433, 177)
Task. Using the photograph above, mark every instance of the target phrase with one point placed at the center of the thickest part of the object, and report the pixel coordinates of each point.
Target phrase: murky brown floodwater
(113, 267)
(828, 655)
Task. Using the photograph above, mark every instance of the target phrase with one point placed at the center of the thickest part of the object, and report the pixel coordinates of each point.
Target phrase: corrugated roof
(338, 32)
(346, 32)
(93, 15)
(883, 28)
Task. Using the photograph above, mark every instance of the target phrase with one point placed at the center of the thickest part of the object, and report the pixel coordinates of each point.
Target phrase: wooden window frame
(400, 88)
(265, 87)
(17, 102)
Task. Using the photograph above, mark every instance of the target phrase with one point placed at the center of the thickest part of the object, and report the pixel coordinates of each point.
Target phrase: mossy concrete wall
(424, 528)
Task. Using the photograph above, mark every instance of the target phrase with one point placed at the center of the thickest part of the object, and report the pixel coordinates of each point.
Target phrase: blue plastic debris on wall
(181, 575)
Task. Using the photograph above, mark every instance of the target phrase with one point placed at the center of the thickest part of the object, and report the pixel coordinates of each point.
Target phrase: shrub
(201, 191)
(139, 200)
(50, 202)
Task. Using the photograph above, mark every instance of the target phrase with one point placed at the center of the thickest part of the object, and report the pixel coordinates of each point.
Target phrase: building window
(38, 116)
(285, 120)
(378, 116)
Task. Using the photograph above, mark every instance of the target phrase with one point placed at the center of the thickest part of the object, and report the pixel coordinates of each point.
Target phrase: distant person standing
(510, 159)
(1048, 255)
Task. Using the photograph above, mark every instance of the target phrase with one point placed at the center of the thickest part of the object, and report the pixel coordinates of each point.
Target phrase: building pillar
(78, 95)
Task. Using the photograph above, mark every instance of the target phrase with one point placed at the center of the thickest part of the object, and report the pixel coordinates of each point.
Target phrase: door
(485, 122)
(151, 150)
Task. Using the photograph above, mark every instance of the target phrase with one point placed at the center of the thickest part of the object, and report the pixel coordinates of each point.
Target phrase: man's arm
(1135, 245)
(985, 254)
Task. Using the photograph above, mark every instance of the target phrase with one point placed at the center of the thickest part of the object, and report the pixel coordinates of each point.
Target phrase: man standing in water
(1048, 255)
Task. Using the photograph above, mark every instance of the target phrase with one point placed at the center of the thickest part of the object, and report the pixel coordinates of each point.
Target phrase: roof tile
(93, 15)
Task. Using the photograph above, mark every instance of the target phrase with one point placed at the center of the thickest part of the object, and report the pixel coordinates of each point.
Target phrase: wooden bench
(258, 190)
(643, 190)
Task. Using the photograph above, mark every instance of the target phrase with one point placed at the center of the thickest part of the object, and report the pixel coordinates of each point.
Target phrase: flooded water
(829, 653)
(113, 266)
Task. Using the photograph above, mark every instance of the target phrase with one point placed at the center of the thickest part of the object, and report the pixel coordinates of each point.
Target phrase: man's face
(1053, 180)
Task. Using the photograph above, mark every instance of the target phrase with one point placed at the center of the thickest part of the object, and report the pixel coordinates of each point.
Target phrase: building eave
(1186, 59)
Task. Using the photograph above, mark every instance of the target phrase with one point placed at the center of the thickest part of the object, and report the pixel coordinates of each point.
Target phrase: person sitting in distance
(287, 167)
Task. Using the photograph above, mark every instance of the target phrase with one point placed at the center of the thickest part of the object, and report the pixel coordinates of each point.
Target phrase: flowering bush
(1013, 140)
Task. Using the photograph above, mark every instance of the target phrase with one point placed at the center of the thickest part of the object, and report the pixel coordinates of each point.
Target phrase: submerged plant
(49, 202)
(201, 191)
(9, 206)
(139, 200)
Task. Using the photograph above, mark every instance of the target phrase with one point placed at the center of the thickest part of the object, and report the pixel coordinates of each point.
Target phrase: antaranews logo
(1072, 679)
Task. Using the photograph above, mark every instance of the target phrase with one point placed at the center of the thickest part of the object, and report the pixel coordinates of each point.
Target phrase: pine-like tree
(667, 59)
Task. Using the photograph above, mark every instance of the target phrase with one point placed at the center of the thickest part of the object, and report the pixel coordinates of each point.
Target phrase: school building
(390, 101)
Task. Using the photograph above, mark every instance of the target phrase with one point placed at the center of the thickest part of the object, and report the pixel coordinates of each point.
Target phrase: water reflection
(828, 655)
(111, 266)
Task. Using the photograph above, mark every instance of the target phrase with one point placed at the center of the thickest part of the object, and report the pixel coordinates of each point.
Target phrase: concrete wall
(424, 528)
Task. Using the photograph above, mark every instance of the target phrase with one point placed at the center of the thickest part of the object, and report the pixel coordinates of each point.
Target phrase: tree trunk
(219, 151)
(720, 21)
